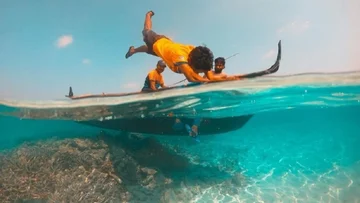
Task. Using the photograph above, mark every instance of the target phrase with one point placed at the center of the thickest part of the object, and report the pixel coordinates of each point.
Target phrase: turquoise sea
(301, 144)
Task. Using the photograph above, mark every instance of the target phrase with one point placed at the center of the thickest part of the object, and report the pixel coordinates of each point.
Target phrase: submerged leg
(147, 27)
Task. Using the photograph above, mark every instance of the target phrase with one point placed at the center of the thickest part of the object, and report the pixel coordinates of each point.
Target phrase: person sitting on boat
(154, 80)
(219, 67)
(180, 58)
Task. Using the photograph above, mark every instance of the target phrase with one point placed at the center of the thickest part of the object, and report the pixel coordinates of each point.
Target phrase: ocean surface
(301, 144)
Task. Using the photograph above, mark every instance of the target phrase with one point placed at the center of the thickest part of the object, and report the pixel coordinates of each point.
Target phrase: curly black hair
(220, 60)
(201, 58)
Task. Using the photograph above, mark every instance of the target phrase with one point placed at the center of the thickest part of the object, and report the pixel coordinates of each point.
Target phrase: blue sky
(46, 46)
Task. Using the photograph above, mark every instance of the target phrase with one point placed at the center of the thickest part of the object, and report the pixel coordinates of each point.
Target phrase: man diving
(180, 58)
(154, 80)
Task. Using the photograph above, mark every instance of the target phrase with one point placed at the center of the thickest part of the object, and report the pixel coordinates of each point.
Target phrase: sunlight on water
(234, 98)
(299, 155)
(297, 139)
(243, 86)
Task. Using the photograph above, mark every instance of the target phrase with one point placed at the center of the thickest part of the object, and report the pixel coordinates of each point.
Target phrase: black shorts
(150, 37)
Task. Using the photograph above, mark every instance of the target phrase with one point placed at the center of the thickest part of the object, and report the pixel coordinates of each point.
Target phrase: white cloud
(64, 41)
(294, 27)
(131, 85)
(86, 61)
(270, 54)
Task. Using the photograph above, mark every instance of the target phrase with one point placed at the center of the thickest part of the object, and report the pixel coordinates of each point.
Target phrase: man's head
(219, 64)
(201, 59)
(160, 66)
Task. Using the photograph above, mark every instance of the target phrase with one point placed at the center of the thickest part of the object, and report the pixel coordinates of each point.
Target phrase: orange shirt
(172, 52)
(154, 76)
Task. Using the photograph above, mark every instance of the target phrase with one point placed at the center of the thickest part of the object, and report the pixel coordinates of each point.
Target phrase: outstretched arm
(190, 75)
(212, 77)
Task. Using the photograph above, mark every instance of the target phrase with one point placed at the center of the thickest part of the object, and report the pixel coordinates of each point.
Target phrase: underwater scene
(289, 138)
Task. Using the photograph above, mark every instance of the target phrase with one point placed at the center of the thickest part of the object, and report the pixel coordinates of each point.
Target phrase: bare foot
(151, 13)
(130, 52)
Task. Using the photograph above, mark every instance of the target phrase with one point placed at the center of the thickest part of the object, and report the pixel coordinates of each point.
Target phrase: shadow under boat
(164, 125)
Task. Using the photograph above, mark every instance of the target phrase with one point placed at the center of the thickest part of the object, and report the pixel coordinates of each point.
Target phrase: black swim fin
(71, 94)
(273, 69)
